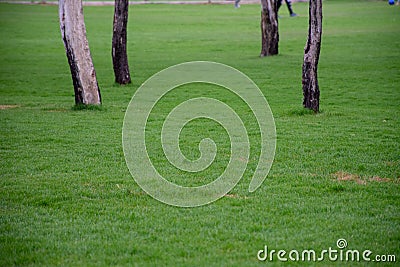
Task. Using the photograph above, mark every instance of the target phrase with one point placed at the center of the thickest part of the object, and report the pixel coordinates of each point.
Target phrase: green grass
(66, 195)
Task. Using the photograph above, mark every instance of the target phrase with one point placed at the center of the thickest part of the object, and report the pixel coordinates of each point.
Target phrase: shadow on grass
(303, 112)
(88, 107)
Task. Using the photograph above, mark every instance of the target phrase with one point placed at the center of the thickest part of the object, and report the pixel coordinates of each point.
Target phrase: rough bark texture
(120, 58)
(73, 33)
(311, 57)
(269, 28)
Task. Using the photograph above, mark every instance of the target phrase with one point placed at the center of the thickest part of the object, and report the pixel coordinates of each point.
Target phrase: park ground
(68, 199)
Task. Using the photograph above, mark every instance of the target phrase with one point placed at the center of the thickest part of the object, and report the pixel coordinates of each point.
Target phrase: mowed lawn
(68, 199)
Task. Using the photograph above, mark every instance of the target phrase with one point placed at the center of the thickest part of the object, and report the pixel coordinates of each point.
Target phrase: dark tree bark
(73, 32)
(120, 58)
(269, 28)
(311, 57)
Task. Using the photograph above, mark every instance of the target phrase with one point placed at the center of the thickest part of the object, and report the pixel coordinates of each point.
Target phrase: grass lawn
(68, 199)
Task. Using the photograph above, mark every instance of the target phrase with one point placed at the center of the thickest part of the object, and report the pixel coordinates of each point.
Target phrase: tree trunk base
(119, 40)
(269, 28)
(73, 33)
(311, 57)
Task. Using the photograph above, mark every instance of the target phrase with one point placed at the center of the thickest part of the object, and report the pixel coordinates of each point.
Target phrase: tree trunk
(120, 58)
(311, 57)
(73, 33)
(269, 28)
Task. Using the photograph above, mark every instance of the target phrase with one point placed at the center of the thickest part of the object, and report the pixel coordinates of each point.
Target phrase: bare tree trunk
(120, 58)
(73, 33)
(311, 57)
(269, 28)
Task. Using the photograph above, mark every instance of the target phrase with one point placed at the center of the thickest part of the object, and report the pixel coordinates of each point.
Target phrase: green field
(68, 199)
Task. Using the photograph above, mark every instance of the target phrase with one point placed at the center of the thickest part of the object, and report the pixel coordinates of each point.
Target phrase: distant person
(237, 3)
(289, 6)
